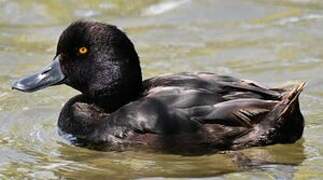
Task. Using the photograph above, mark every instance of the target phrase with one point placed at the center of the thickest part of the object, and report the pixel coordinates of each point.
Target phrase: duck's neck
(126, 88)
(114, 101)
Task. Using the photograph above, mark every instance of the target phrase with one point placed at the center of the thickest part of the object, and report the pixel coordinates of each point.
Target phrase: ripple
(86, 13)
(163, 7)
(297, 19)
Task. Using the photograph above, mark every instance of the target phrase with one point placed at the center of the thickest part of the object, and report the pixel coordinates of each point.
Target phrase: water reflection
(76, 162)
(138, 164)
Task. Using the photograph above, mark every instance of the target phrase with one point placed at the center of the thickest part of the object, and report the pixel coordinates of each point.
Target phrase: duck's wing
(151, 122)
(239, 112)
(207, 97)
(171, 109)
(184, 102)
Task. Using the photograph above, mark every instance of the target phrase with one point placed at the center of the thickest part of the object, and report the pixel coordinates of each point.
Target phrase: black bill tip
(20, 86)
(51, 75)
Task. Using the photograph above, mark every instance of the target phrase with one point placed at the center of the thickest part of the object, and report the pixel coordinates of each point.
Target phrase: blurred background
(272, 41)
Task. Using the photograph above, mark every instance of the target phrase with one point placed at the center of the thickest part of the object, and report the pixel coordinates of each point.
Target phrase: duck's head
(97, 59)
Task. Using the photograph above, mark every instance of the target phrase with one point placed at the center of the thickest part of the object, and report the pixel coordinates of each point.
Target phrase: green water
(272, 41)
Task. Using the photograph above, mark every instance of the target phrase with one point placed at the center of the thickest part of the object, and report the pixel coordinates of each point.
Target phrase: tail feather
(285, 123)
(291, 98)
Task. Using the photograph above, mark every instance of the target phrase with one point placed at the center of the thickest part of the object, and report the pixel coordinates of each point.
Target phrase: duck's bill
(49, 76)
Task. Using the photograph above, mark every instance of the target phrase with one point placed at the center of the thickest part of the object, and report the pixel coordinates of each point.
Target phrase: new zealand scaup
(186, 112)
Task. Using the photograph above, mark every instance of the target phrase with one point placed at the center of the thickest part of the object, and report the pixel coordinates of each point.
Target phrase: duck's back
(202, 85)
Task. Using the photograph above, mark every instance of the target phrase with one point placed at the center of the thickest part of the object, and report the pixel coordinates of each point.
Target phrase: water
(272, 41)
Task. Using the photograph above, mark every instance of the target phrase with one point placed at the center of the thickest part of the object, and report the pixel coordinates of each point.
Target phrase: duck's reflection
(142, 164)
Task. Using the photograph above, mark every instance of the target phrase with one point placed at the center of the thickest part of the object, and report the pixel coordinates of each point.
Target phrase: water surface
(273, 41)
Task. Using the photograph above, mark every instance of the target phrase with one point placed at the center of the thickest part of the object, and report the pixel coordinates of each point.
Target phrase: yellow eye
(83, 50)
